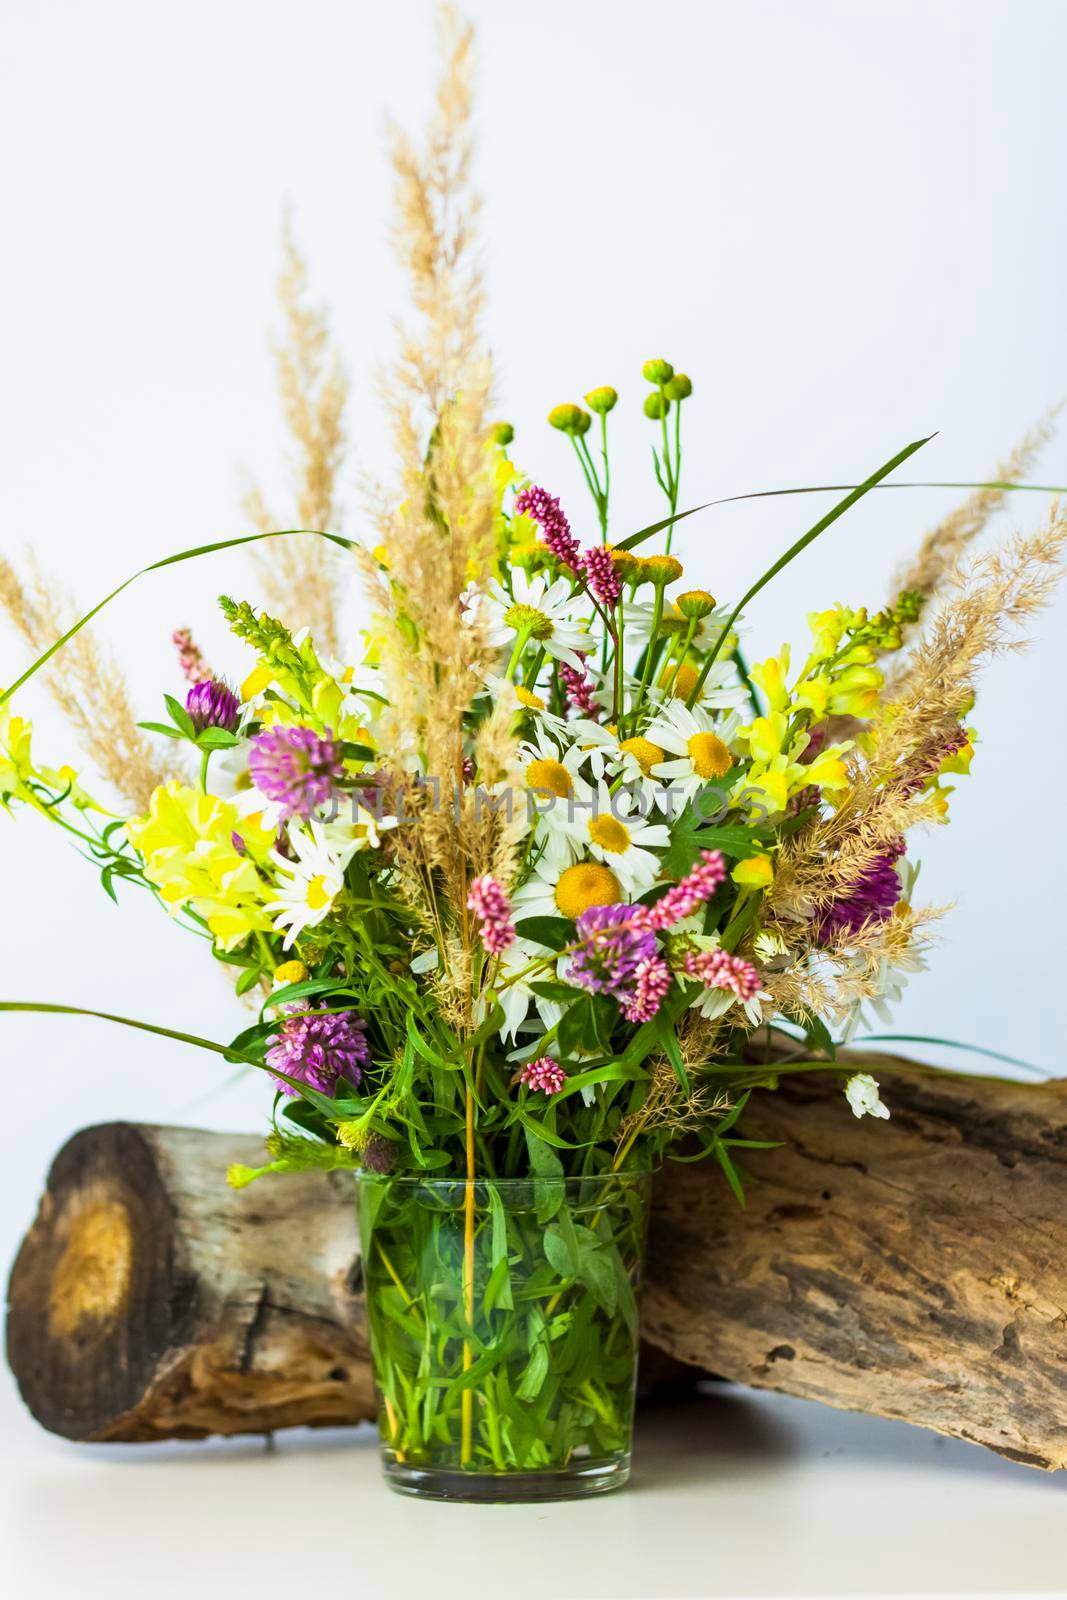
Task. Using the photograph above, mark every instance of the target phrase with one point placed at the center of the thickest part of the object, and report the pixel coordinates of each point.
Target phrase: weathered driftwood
(914, 1269)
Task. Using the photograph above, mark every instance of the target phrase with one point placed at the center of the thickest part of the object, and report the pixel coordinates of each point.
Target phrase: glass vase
(504, 1330)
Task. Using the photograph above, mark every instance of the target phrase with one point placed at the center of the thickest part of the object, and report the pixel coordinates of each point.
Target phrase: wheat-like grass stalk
(438, 527)
(86, 684)
(299, 576)
(937, 557)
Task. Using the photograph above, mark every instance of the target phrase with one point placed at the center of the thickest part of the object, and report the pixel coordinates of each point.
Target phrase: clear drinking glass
(504, 1329)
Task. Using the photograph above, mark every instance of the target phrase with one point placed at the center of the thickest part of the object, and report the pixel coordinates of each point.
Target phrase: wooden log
(915, 1269)
(150, 1301)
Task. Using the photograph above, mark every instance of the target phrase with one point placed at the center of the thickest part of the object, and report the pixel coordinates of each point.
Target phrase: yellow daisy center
(317, 893)
(682, 683)
(644, 752)
(709, 756)
(528, 620)
(610, 834)
(550, 777)
(526, 698)
(587, 884)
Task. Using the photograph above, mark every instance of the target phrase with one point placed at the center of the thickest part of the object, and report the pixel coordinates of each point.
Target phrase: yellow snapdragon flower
(191, 856)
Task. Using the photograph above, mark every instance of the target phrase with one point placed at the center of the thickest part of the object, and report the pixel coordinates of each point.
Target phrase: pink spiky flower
(689, 893)
(544, 1075)
(652, 983)
(550, 517)
(718, 969)
(604, 582)
(194, 668)
(578, 688)
(492, 911)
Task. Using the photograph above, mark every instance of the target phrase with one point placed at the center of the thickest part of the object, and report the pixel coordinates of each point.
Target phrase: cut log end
(148, 1301)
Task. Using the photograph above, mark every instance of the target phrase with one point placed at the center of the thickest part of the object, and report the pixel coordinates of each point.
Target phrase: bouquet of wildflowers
(538, 877)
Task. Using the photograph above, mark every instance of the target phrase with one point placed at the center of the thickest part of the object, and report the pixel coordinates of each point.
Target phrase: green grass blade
(950, 1044)
(801, 544)
(157, 566)
(653, 528)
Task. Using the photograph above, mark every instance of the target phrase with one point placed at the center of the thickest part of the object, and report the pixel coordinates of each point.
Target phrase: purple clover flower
(613, 946)
(870, 898)
(294, 767)
(318, 1048)
(213, 704)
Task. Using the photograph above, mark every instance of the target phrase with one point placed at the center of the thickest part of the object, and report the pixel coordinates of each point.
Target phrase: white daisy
(308, 886)
(477, 609)
(618, 835)
(557, 797)
(634, 760)
(521, 699)
(354, 828)
(541, 609)
(697, 743)
(550, 892)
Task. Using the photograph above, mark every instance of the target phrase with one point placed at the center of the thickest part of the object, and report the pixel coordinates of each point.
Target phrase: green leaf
(164, 728)
(552, 932)
(180, 717)
(216, 739)
(596, 1271)
(501, 1294)
(801, 544)
(546, 1166)
(669, 1042)
(534, 1373)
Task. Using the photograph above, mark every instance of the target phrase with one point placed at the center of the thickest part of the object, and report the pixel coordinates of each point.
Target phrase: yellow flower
(587, 884)
(258, 680)
(187, 844)
(756, 872)
(770, 675)
(16, 764)
(290, 972)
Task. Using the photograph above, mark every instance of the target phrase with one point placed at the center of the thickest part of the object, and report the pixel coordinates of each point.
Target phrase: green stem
(522, 639)
(686, 642)
(657, 618)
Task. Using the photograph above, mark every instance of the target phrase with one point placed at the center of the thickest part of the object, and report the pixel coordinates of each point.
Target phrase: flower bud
(695, 604)
(663, 569)
(601, 400)
(656, 406)
(678, 387)
(502, 434)
(567, 418)
(585, 422)
(290, 972)
(626, 564)
(657, 372)
(213, 704)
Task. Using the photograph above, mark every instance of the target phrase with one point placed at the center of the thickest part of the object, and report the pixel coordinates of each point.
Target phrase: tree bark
(915, 1268)
(150, 1301)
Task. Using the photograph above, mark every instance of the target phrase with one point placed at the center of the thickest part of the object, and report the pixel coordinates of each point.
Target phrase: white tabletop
(734, 1493)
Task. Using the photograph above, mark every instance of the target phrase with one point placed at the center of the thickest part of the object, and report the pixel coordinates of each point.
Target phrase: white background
(844, 220)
